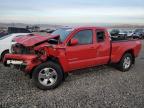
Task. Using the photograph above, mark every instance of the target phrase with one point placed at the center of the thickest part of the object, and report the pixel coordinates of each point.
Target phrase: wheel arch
(50, 58)
(56, 60)
(4, 52)
(130, 51)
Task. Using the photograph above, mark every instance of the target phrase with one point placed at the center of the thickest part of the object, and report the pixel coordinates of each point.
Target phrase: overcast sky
(72, 11)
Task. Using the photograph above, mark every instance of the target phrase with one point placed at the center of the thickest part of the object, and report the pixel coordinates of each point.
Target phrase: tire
(3, 54)
(125, 62)
(47, 75)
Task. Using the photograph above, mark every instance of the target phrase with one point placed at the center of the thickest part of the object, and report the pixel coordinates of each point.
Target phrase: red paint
(79, 56)
(32, 39)
(30, 60)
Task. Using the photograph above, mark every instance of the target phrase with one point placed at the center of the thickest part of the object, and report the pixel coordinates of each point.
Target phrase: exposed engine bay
(19, 47)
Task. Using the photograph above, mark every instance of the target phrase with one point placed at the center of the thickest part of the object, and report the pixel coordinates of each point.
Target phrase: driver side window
(84, 37)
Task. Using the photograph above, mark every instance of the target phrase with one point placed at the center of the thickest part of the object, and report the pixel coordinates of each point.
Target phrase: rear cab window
(100, 35)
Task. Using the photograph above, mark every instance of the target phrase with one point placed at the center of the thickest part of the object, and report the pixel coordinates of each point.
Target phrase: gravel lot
(99, 87)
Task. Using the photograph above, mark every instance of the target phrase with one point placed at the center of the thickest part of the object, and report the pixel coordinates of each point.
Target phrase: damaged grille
(20, 49)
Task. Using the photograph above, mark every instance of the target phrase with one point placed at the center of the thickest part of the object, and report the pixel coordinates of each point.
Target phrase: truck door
(83, 54)
(103, 47)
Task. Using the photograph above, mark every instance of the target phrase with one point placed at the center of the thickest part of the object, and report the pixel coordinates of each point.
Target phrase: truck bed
(120, 46)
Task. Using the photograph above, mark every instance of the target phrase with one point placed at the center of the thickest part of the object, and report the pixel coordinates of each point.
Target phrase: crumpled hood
(32, 39)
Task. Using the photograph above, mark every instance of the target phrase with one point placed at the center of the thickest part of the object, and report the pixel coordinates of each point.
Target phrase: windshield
(63, 32)
(1, 38)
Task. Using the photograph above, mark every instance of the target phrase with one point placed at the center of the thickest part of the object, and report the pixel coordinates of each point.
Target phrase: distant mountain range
(45, 26)
(23, 25)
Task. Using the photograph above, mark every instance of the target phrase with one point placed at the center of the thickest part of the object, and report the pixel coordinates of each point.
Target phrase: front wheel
(125, 63)
(47, 76)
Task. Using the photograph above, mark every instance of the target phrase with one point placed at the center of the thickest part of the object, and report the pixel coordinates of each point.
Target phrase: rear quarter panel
(121, 47)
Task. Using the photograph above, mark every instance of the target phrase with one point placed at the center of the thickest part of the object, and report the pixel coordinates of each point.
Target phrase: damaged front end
(26, 56)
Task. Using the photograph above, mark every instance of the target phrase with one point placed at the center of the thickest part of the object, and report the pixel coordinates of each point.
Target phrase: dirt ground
(98, 87)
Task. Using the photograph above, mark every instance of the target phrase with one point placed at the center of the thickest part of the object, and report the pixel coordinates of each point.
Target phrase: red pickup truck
(49, 59)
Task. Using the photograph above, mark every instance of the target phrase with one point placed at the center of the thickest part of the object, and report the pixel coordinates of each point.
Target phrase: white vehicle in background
(5, 43)
(126, 33)
(123, 33)
(130, 33)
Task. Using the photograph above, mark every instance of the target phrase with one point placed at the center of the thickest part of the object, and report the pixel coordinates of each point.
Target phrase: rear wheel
(125, 63)
(47, 76)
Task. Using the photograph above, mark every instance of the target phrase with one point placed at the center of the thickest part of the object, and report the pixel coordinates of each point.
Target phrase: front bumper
(23, 62)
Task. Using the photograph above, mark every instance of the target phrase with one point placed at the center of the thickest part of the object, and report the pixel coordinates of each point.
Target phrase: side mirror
(73, 42)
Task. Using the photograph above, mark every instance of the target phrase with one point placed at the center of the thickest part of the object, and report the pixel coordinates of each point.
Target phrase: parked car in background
(114, 32)
(5, 43)
(17, 30)
(130, 33)
(138, 33)
(50, 30)
(47, 30)
(49, 59)
(3, 33)
(123, 33)
(118, 33)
